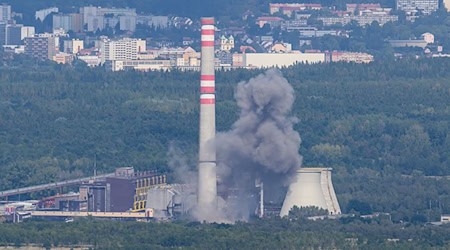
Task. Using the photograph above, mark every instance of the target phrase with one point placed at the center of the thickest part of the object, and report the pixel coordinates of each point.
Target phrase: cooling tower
(311, 187)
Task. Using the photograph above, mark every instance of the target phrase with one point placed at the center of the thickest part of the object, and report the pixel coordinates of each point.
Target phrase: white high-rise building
(27, 31)
(5, 12)
(42, 14)
(413, 6)
(73, 46)
(160, 22)
(128, 23)
(61, 21)
(98, 18)
(123, 49)
(95, 23)
(446, 4)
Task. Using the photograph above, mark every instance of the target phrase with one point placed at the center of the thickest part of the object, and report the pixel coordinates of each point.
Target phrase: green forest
(353, 233)
(383, 127)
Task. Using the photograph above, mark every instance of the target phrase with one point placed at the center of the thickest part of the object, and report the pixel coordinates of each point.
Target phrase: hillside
(371, 123)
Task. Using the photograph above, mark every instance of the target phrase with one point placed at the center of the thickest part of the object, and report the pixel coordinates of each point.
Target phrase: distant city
(113, 37)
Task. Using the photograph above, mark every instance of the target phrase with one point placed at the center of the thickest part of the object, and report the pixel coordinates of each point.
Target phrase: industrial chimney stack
(207, 181)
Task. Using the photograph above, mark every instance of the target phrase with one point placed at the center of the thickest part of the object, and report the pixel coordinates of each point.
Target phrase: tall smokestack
(207, 183)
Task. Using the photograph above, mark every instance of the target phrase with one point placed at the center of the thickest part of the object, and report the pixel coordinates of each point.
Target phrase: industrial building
(356, 57)
(122, 194)
(268, 60)
(170, 201)
(125, 191)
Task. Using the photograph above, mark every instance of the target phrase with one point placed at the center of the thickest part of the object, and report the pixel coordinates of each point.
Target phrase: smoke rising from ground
(183, 172)
(262, 142)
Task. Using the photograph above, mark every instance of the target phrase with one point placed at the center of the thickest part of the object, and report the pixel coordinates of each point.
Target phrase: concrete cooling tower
(312, 187)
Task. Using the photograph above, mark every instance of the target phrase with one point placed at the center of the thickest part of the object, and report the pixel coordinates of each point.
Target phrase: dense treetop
(371, 123)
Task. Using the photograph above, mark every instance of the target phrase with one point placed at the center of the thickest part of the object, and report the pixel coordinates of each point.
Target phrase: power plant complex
(146, 195)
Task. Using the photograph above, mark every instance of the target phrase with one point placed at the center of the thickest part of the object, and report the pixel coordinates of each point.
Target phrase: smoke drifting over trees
(262, 142)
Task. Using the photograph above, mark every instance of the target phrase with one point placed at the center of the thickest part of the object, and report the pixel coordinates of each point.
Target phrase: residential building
(357, 8)
(123, 49)
(446, 5)
(87, 11)
(187, 41)
(14, 49)
(128, 23)
(111, 21)
(13, 34)
(27, 31)
(238, 60)
(73, 46)
(366, 18)
(5, 13)
(226, 43)
(117, 11)
(62, 21)
(408, 43)
(95, 23)
(272, 21)
(428, 37)
(90, 60)
(289, 8)
(160, 22)
(42, 14)
(281, 48)
(291, 25)
(412, 6)
(76, 21)
(174, 53)
(309, 32)
(225, 58)
(40, 48)
(63, 58)
(2, 33)
(97, 18)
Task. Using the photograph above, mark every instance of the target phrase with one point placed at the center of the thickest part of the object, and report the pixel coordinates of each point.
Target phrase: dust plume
(262, 143)
(178, 163)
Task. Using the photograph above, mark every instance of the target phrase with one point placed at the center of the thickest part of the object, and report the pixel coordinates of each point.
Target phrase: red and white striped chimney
(207, 180)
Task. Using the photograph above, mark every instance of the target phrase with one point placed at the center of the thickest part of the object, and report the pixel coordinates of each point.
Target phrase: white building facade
(122, 50)
(412, 6)
(5, 12)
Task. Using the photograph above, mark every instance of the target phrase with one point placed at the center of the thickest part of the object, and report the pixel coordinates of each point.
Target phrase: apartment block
(40, 48)
(413, 6)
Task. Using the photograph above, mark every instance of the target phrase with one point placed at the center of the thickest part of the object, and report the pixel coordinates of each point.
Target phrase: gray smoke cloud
(184, 172)
(262, 142)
